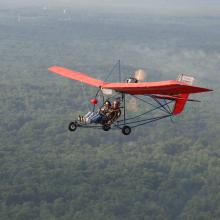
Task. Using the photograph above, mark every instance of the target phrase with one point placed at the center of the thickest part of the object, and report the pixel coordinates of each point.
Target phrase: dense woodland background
(161, 171)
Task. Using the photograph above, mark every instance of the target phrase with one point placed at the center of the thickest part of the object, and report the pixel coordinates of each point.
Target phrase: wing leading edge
(71, 74)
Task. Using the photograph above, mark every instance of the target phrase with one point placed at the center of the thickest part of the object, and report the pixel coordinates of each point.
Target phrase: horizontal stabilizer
(169, 97)
(193, 100)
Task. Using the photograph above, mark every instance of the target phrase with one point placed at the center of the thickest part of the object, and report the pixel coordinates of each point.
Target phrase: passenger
(114, 112)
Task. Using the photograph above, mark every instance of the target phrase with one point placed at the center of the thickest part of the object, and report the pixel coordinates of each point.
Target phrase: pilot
(100, 116)
(105, 108)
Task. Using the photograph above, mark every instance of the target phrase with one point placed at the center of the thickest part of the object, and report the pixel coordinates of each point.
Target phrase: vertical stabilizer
(180, 104)
(182, 98)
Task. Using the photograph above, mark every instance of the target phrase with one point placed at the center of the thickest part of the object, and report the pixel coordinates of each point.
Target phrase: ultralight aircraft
(168, 97)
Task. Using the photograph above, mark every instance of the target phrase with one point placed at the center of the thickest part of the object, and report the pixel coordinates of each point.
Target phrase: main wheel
(126, 130)
(106, 127)
(72, 126)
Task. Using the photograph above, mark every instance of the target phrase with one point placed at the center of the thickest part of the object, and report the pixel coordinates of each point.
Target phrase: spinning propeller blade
(132, 103)
(140, 75)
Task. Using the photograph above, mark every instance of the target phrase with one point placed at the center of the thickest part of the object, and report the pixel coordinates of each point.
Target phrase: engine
(131, 80)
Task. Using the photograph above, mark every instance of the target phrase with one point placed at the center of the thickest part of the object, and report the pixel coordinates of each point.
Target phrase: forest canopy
(166, 170)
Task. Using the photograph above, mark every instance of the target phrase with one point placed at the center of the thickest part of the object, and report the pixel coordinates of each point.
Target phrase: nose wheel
(126, 130)
(72, 126)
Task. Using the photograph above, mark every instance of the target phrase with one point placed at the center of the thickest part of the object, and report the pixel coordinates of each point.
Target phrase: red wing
(172, 87)
(76, 76)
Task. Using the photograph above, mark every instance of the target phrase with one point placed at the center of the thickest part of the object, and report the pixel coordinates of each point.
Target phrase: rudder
(180, 104)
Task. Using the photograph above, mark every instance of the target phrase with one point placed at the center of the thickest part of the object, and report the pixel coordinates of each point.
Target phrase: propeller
(140, 75)
(132, 104)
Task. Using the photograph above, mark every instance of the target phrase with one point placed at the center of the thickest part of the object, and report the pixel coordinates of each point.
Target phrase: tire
(72, 126)
(126, 130)
(106, 127)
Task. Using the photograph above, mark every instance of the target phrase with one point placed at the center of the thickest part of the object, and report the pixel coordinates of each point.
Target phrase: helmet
(107, 103)
(116, 103)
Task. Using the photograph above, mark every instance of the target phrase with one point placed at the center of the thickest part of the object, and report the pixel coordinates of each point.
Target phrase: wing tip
(52, 68)
(207, 90)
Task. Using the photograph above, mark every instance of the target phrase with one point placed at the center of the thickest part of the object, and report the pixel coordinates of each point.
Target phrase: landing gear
(106, 127)
(126, 130)
(73, 126)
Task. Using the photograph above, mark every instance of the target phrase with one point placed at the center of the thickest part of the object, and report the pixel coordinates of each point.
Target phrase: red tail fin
(180, 103)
